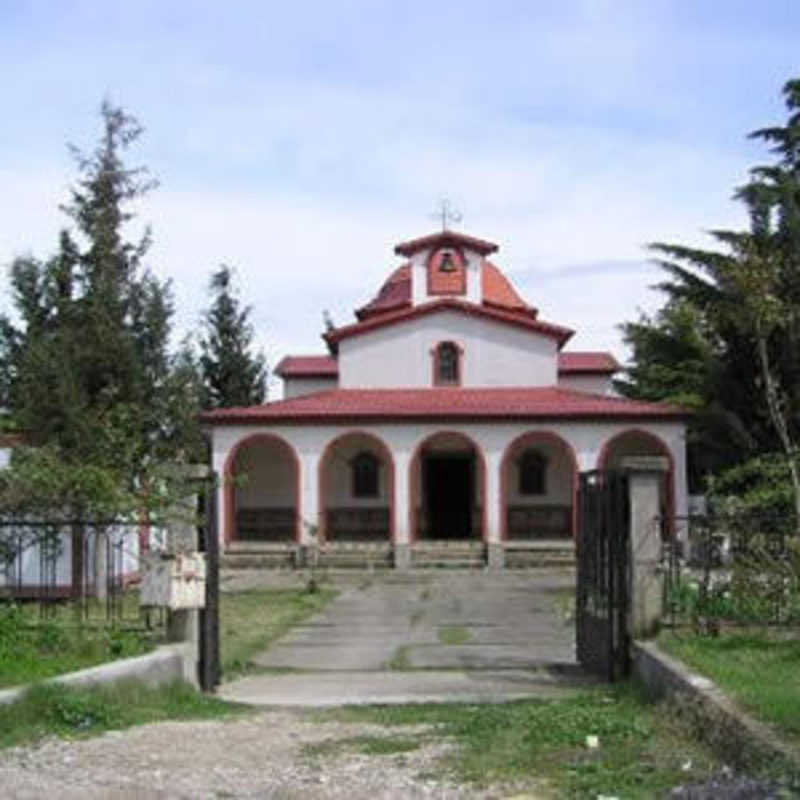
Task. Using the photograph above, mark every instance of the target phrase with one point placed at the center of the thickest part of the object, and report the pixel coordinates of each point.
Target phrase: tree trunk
(779, 422)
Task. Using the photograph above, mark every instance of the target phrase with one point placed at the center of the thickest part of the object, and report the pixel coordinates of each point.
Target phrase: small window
(532, 473)
(447, 367)
(365, 475)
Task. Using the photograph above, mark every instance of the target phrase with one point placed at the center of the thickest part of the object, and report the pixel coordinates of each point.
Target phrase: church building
(447, 415)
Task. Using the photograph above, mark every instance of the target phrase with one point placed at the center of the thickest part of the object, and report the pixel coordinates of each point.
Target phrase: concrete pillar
(645, 474)
(183, 626)
(402, 534)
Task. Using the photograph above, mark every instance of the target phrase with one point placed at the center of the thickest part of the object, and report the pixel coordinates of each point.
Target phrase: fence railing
(733, 569)
(94, 565)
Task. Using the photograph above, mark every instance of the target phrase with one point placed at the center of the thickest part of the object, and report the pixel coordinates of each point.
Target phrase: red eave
(444, 238)
(307, 367)
(587, 363)
(442, 404)
(519, 319)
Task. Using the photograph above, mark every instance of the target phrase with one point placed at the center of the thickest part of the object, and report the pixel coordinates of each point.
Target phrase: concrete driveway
(426, 636)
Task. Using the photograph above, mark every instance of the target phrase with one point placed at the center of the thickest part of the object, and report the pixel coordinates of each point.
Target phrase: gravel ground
(258, 756)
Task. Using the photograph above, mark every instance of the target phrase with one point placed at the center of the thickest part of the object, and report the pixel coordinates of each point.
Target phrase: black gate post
(602, 601)
(209, 661)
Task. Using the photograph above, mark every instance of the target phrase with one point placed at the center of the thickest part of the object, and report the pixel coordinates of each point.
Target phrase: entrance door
(448, 483)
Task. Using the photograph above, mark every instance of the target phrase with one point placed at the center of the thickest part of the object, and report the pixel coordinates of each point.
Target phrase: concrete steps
(424, 555)
(258, 555)
(529, 555)
(448, 554)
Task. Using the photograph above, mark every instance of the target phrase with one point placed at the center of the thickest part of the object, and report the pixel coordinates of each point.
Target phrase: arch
(322, 478)
(414, 466)
(229, 488)
(656, 442)
(530, 438)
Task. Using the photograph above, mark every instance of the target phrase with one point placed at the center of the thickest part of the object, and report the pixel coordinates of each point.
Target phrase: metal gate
(209, 660)
(602, 599)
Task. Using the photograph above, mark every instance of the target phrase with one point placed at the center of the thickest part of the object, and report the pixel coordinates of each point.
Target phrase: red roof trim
(520, 319)
(587, 363)
(307, 367)
(444, 404)
(444, 238)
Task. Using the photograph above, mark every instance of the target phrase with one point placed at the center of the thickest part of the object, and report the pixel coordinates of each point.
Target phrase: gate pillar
(645, 476)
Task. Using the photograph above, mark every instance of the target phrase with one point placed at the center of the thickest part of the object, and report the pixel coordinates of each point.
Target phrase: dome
(496, 291)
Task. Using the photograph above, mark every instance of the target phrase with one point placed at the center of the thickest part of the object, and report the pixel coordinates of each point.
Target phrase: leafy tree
(233, 375)
(88, 374)
(746, 296)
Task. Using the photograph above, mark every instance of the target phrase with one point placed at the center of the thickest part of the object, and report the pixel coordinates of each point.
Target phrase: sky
(299, 142)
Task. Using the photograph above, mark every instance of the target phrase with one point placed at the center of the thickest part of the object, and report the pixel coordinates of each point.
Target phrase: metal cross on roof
(446, 213)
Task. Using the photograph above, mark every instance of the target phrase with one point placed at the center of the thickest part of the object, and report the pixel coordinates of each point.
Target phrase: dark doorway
(448, 490)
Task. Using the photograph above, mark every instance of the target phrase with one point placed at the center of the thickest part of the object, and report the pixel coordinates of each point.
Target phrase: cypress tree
(233, 374)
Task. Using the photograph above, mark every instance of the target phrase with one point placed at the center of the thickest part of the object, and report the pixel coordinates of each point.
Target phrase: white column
(309, 491)
(402, 535)
(495, 555)
(492, 499)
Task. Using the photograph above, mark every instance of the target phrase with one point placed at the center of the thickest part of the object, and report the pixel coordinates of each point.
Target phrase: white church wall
(339, 475)
(265, 477)
(558, 477)
(297, 387)
(593, 384)
(400, 355)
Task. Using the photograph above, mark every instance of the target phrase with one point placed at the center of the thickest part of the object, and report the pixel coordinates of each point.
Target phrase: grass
(53, 710)
(399, 660)
(32, 649)
(761, 671)
(251, 621)
(453, 635)
(643, 752)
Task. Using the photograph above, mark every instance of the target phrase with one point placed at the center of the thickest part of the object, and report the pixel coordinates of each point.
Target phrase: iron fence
(93, 566)
(731, 569)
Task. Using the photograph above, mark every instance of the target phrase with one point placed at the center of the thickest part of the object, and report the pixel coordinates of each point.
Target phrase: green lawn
(53, 710)
(642, 751)
(761, 671)
(250, 621)
(32, 649)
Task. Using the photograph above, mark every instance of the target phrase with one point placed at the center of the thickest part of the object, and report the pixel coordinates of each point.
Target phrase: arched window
(532, 473)
(447, 369)
(365, 475)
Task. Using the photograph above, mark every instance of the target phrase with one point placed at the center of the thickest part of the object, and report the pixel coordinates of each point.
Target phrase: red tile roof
(443, 239)
(443, 404)
(450, 304)
(307, 367)
(497, 290)
(395, 293)
(583, 362)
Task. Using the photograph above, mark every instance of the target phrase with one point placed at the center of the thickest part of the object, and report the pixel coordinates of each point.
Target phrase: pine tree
(233, 375)
(87, 369)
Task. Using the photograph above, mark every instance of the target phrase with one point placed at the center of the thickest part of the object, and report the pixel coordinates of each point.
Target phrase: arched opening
(262, 491)
(447, 477)
(636, 442)
(538, 482)
(356, 490)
